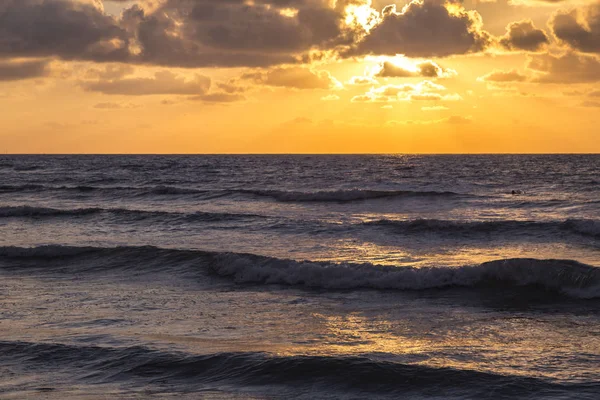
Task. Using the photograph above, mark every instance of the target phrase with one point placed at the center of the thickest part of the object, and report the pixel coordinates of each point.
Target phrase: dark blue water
(300, 277)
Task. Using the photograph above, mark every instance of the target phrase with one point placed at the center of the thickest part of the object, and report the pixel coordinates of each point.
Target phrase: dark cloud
(15, 71)
(162, 83)
(63, 28)
(427, 69)
(523, 35)
(579, 28)
(232, 33)
(568, 68)
(503, 76)
(424, 29)
(183, 33)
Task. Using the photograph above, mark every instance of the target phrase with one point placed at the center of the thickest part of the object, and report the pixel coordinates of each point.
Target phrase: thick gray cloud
(68, 29)
(239, 33)
(186, 33)
(15, 71)
(580, 29)
(424, 29)
(230, 33)
(163, 83)
(523, 35)
(568, 68)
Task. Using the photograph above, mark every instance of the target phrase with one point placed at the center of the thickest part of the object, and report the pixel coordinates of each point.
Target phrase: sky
(299, 76)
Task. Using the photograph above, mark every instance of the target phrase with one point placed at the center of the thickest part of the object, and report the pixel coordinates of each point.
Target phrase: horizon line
(292, 154)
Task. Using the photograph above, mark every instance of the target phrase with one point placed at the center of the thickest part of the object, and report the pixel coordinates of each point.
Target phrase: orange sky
(299, 76)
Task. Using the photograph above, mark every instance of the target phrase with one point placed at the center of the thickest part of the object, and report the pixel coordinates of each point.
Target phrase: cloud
(567, 68)
(164, 82)
(20, 70)
(427, 28)
(454, 119)
(589, 103)
(231, 87)
(330, 97)
(426, 69)
(503, 76)
(362, 81)
(578, 28)
(113, 106)
(296, 77)
(110, 72)
(108, 106)
(218, 33)
(219, 98)
(181, 33)
(523, 35)
(458, 120)
(61, 28)
(434, 108)
(422, 91)
(426, 96)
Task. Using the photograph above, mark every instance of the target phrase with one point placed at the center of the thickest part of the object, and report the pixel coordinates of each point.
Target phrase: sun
(362, 15)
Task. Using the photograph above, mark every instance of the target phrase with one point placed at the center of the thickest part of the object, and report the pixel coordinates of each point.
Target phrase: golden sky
(299, 76)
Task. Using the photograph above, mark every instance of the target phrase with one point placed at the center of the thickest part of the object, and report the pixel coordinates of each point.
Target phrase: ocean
(300, 277)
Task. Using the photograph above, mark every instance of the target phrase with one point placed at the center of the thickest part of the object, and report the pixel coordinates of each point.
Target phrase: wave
(141, 365)
(566, 277)
(27, 168)
(157, 190)
(339, 196)
(342, 196)
(587, 227)
(45, 212)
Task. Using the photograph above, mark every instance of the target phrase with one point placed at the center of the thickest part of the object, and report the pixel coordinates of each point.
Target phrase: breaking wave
(567, 277)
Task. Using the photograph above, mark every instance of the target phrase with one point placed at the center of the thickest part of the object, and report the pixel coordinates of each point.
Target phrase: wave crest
(568, 277)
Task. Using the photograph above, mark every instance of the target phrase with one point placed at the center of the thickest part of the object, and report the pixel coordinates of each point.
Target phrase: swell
(339, 196)
(132, 214)
(132, 190)
(348, 195)
(586, 227)
(567, 277)
(140, 365)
